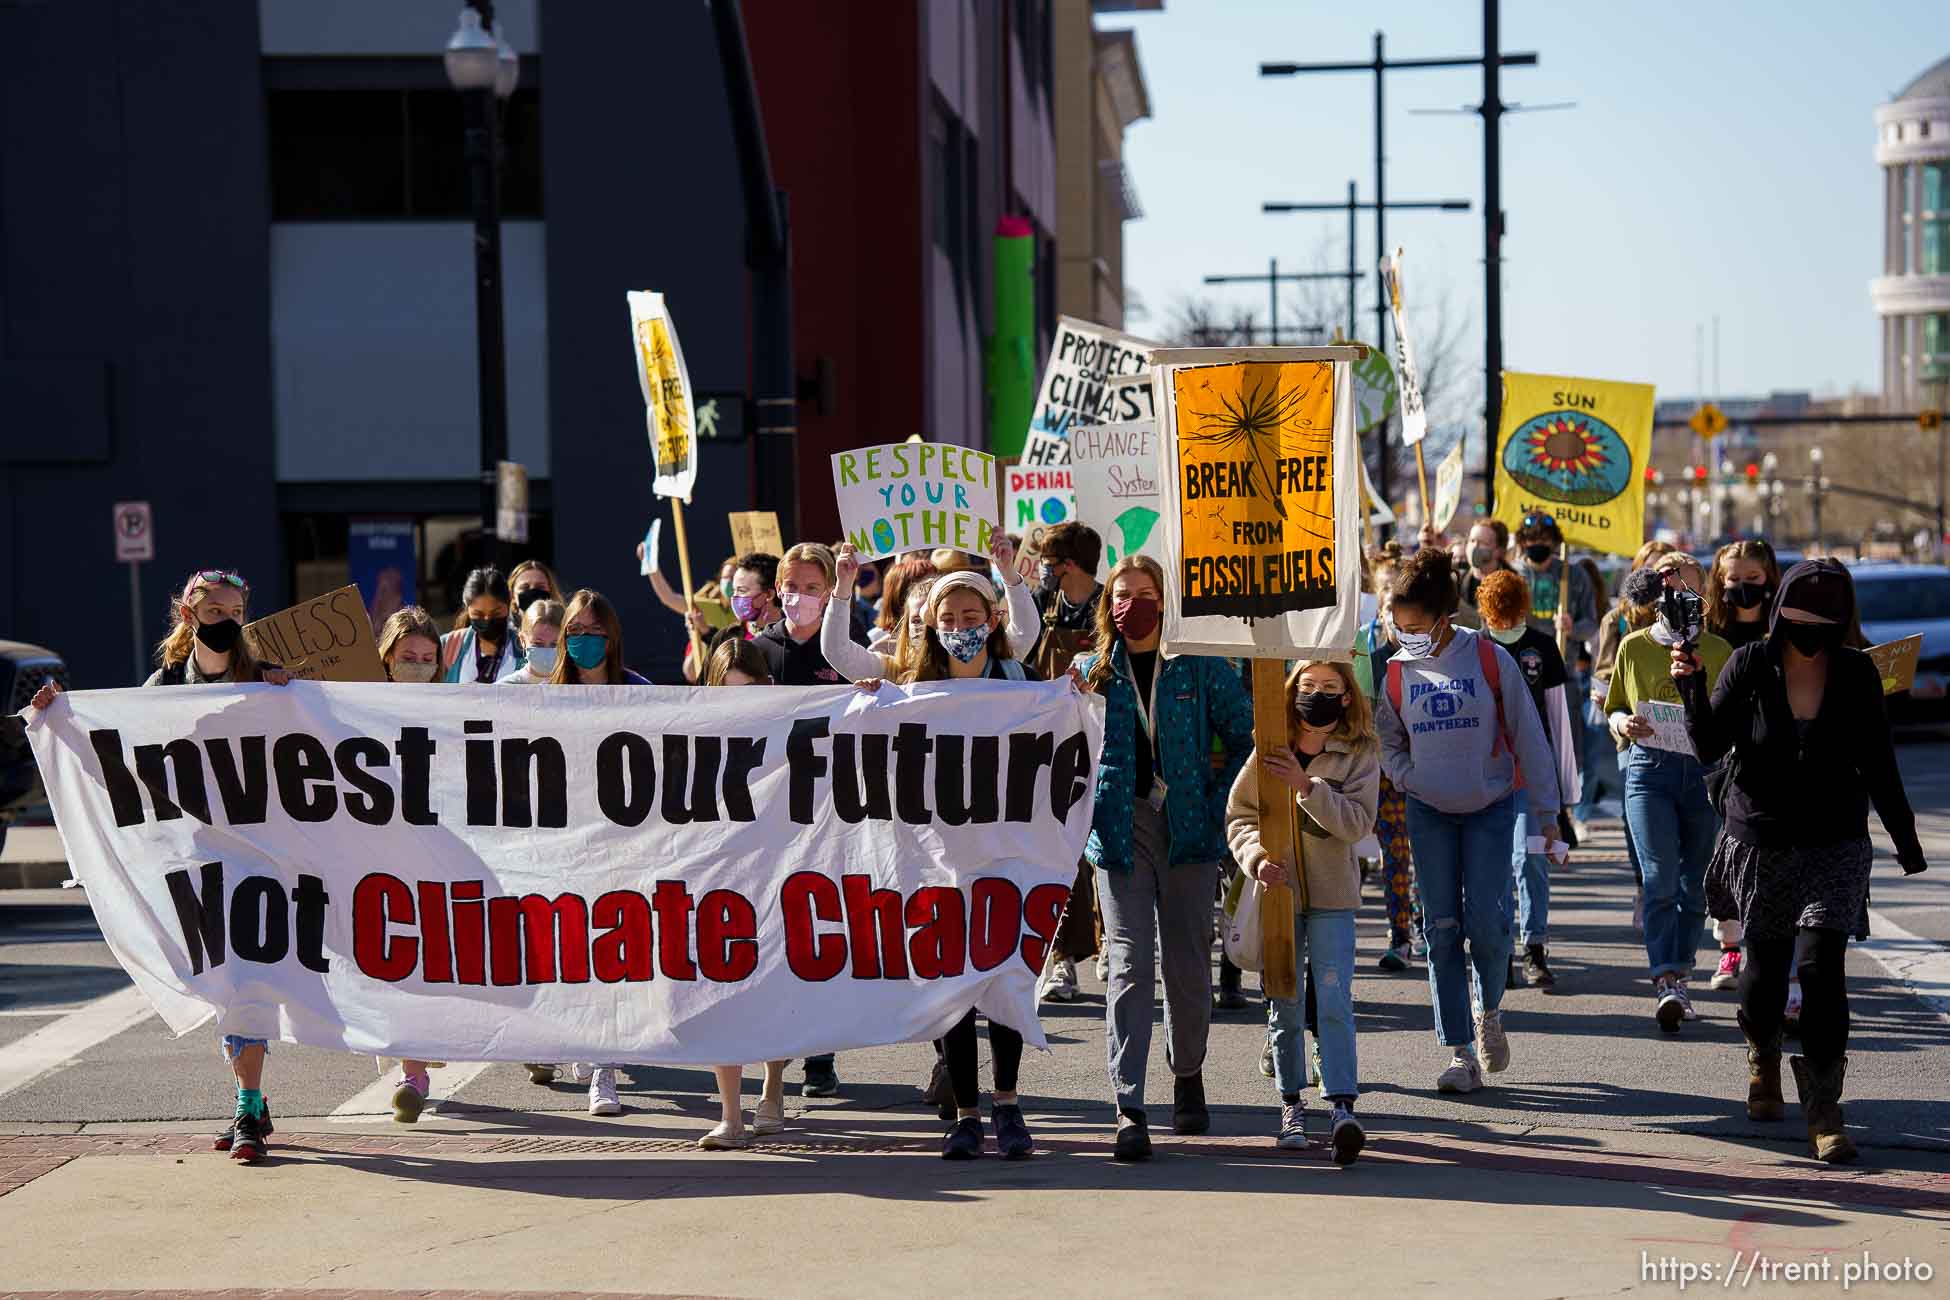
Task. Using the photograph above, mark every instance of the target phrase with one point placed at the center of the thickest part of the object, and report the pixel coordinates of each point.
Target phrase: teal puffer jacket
(1198, 697)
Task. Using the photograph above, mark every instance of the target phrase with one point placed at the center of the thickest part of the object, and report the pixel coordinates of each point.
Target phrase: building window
(391, 155)
(1936, 347)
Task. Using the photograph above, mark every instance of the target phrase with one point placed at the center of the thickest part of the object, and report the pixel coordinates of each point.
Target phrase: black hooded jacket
(1787, 791)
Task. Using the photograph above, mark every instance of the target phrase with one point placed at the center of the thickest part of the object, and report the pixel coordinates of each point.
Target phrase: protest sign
(1896, 662)
(1036, 496)
(1415, 420)
(756, 530)
(1044, 449)
(670, 412)
(1668, 727)
(652, 555)
(326, 639)
(1114, 474)
(1082, 357)
(908, 496)
(656, 875)
(1375, 392)
(1448, 486)
(1575, 449)
(1261, 500)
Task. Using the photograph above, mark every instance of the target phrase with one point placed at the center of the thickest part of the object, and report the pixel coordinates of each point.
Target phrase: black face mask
(490, 630)
(529, 595)
(1747, 595)
(1540, 553)
(1318, 710)
(1813, 638)
(221, 636)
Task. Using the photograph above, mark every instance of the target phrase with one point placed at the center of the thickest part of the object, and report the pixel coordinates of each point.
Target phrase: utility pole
(1491, 61)
(1272, 280)
(1352, 205)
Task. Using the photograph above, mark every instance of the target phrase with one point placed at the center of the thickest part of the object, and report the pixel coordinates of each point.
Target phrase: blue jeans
(1673, 828)
(1531, 879)
(1326, 938)
(1462, 874)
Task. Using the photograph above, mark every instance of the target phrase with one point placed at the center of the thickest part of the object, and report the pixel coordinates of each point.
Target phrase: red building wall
(841, 89)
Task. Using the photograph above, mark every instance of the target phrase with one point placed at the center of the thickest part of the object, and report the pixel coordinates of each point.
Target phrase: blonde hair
(174, 649)
(809, 553)
(1357, 723)
(544, 613)
(1101, 671)
(406, 622)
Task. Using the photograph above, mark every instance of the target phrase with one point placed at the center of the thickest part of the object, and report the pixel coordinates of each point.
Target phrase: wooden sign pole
(1279, 967)
(1422, 477)
(690, 590)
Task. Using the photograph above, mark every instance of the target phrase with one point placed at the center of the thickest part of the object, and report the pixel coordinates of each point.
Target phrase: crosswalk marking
(375, 1100)
(1923, 965)
(50, 1047)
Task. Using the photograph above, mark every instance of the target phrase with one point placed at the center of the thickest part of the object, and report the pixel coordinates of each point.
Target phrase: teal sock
(250, 1101)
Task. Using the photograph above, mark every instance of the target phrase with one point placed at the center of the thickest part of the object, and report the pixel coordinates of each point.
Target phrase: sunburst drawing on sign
(1255, 453)
(1569, 456)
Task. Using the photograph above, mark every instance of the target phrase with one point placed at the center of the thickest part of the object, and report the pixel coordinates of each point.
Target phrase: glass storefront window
(1936, 346)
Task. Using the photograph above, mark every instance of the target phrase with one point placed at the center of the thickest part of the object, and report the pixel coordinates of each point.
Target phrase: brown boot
(1763, 1075)
(1820, 1086)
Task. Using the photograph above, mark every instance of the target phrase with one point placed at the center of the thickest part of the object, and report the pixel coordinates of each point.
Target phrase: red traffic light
(1650, 473)
(1699, 473)
(1753, 472)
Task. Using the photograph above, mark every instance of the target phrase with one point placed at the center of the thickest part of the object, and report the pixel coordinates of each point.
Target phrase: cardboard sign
(1415, 421)
(910, 496)
(1044, 449)
(1576, 450)
(1262, 501)
(1037, 496)
(756, 530)
(326, 639)
(1082, 357)
(1896, 662)
(1114, 472)
(669, 410)
(1448, 487)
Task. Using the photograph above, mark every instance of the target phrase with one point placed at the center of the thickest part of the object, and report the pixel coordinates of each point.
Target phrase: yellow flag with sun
(1576, 450)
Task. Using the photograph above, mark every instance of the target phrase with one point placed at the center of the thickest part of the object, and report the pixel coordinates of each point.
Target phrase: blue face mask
(1416, 645)
(542, 659)
(588, 649)
(965, 643)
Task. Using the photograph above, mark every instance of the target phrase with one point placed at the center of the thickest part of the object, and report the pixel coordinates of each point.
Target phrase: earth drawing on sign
(1569, 456)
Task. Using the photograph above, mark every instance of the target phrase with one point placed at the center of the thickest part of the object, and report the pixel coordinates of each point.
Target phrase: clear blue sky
(1720, 160)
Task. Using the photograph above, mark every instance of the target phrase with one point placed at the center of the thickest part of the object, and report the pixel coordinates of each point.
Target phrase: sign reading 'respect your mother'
(909, 496)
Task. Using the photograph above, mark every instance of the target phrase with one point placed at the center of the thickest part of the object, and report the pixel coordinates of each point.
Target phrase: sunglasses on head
(225, 576)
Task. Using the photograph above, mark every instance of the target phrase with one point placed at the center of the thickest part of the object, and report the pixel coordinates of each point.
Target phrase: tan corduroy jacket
(1336, 815)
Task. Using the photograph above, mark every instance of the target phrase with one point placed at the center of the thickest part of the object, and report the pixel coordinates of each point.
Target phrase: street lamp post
(483, 69)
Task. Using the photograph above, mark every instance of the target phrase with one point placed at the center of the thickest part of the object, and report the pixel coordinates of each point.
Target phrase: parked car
(23, 668)
(1900, 600)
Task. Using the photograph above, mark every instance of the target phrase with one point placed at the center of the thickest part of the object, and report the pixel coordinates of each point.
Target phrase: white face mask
(1506, 635)
(405, 672)
(541, 658)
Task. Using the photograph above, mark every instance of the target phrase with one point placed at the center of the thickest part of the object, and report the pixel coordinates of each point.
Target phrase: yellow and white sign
(1575, 449)
(671, 415)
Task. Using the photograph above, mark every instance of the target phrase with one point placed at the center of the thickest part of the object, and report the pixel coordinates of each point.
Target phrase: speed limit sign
(135, 534)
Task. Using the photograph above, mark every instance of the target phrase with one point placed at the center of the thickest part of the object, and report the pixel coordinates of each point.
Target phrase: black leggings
(958, 1048)
(1816, 956)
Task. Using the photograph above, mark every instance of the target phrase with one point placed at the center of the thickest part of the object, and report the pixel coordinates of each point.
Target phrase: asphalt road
(1585, 1056)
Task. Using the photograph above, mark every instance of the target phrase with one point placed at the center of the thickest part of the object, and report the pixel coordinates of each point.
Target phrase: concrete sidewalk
(870, 1210)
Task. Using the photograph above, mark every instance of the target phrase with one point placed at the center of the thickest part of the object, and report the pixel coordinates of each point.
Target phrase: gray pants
(1174, 904)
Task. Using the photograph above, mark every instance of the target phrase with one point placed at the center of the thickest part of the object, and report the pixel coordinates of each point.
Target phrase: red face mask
(1135, 618)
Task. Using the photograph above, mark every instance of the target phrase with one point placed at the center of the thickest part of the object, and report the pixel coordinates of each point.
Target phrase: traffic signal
(1753, 472)
(1650, 473)
(1699, 473)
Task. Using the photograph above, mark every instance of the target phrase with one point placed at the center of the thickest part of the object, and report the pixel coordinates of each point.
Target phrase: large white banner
(1083, 357)
(628, 874)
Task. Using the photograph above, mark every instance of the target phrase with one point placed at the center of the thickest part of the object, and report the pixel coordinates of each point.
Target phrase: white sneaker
(1492, 1044)
(1463, 1074)
(1059, 981)
(768, 1120)
(602, 1091)
(581, 1071)
(1103, 967)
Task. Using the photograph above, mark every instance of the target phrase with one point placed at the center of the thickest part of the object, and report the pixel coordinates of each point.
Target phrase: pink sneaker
(1729, 973)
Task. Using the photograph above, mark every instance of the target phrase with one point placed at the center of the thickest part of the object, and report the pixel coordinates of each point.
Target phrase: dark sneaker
(1133, 1136)
(1395, 957)
(1012, 1140)
(1536, 970)
(1188, 1113)
(1346, 1135)
(939, 1093)
(227, 1138)
(247, 1139)
(1668, 1007)
(1512, 975)
(822, 1080)
(964, 1140)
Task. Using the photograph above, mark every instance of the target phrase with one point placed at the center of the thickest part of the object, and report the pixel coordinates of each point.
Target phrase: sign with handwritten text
(325, 639)
(910, 496)
(1114, 471)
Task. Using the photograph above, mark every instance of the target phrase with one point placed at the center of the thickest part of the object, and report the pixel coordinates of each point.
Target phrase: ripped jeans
(1325, 938)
